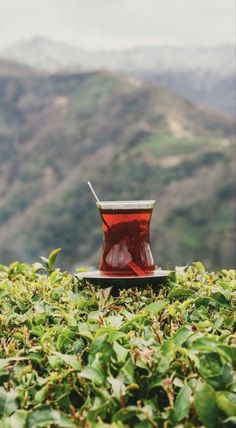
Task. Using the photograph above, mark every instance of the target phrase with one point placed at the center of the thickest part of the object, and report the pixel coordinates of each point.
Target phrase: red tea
(126, 247)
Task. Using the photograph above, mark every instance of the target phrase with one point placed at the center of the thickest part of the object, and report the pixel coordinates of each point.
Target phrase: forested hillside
(132, 140)
(201, 74)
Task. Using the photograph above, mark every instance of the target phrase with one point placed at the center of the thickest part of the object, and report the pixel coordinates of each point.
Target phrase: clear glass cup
(126, 244)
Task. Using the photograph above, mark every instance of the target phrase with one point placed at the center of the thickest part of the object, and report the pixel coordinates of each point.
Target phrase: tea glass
(126, 243)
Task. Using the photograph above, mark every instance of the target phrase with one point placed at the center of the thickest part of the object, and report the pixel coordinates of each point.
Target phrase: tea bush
(72, 355)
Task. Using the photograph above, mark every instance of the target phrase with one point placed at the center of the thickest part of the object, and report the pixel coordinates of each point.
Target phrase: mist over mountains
(134, 140)
(203, 75)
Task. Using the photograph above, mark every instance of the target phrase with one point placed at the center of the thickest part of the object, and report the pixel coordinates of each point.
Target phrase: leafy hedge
(72, 355)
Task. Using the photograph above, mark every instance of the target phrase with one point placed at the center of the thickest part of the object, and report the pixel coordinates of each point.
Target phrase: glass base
(125, 273)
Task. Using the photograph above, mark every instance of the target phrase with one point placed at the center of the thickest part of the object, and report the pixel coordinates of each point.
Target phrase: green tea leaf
(156, 307)
(230, 422)
(121, 352)
(180, 293)
(8, 402)
(182, 404)
(47, 415)
(199, 266)
(125, 415)
(3, 293)
(92, 374)
(182, 335)
(41, 395)
(70, 360)
(226, 401)
(128, 372)
(52, 257)
(206, 406)
(18, 419)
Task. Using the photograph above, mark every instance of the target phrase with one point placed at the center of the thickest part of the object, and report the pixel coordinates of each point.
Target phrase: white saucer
(157, 277)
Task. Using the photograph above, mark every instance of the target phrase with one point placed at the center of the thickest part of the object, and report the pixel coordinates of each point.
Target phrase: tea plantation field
(75, 356)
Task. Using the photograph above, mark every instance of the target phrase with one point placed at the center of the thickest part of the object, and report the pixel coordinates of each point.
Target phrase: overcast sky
(104, 24)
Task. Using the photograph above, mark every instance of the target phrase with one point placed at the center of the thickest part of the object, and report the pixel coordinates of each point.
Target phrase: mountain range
(203, 75)
(134, 140)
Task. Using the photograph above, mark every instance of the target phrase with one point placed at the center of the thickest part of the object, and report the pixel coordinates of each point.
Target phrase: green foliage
(72, 355)
(50, 261)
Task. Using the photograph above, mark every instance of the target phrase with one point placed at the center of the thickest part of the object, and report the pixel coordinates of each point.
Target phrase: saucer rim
(96, 274)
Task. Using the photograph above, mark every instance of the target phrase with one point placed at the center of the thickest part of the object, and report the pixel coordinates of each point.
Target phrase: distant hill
(13, 68)
(132, 140)
(212, 90)
(203, 75)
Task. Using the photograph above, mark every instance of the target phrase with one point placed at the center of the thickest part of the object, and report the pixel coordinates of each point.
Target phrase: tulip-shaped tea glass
(126, 245)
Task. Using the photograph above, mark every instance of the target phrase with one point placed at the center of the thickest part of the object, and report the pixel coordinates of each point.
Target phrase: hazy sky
(95, 24)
